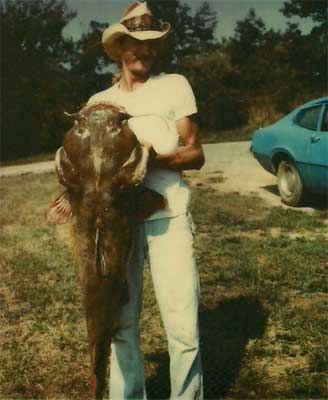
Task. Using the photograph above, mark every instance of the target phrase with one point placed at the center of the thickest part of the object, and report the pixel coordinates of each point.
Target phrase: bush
(213, 78)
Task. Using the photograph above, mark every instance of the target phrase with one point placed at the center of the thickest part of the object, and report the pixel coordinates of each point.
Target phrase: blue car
(295, 148)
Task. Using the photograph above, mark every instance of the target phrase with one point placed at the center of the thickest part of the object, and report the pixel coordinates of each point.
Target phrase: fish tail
(99, 352)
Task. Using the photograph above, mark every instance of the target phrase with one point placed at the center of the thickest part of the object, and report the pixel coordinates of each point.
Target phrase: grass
(263, 316)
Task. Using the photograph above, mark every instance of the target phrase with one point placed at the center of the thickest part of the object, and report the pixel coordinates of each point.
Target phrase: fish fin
(148, 202)
(135, 167)
(66, 172)
(60, 210)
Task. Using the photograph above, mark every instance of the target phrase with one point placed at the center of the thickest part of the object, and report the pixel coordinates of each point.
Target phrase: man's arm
(189, 156)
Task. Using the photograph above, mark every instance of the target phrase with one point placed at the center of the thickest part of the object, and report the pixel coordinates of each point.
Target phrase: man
(165, 238)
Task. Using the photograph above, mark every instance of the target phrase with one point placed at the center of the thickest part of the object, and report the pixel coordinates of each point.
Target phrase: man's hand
(189, 156)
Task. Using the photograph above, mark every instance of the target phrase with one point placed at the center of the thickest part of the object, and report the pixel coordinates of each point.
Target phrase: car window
(308, 118)
(324, 125)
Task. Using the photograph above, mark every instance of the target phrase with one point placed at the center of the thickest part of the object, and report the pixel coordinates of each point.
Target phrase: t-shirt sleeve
(156, 131)
(92, 99)
(184, 98)
(107, 95)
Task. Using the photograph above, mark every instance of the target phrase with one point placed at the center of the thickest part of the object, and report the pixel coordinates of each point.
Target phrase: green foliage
(244, 49)
(36, 85)
(204, 25)
(46, 74)
(309, 74)
(274, 63)
(249, 36)
(214, 81)
(317, 10)
(190, 33)
(90, 63)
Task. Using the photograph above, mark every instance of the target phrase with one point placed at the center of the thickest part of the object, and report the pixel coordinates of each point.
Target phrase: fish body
(101, 163)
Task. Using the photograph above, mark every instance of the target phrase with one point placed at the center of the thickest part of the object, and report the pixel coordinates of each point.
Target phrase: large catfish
(101, 164)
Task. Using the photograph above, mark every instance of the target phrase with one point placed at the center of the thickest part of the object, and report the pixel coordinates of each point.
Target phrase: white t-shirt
(169, 97)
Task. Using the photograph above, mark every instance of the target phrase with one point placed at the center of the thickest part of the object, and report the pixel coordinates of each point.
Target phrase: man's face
(138, 56)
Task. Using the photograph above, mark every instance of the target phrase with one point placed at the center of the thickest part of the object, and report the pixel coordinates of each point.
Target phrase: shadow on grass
(225, 331)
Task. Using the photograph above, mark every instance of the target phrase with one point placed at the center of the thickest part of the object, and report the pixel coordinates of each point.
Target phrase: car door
(308, 129)
(318, 154)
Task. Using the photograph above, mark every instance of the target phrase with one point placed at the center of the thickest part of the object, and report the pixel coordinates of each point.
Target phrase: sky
(229, 11)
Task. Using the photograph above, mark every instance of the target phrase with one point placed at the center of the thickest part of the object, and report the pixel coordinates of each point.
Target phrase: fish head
(100, 162)
(100, 150)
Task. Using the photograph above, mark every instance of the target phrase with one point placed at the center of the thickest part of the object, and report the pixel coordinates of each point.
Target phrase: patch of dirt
(238, 172)
(277, 232)
(33, 168)
(248, 235)
(275, 371)
(306, 302)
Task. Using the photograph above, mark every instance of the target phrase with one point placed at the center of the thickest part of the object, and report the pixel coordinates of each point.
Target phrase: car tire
(290, 185)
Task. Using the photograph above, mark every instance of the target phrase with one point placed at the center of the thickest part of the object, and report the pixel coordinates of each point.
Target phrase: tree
(214, 78)
(317, 10)
(189, 33)
(245, 48)
(179, 38)
(249, 36)
(90, 64)
(36, 84)
(314, 45)
(204, 24)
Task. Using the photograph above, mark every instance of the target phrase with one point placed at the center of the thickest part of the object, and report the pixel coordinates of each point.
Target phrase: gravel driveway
(35, 168)
(241, 171)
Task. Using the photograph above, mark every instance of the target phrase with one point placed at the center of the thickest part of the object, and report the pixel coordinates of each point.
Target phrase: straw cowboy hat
(137, 22)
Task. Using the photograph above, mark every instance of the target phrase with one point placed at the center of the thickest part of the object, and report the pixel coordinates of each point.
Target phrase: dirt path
(35, 168)
(240, 172)
(231, 161)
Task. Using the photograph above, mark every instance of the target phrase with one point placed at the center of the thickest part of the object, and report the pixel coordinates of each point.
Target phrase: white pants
(167, 243)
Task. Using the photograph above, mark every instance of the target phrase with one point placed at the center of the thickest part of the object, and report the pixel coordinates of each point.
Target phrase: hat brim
(113, 33)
